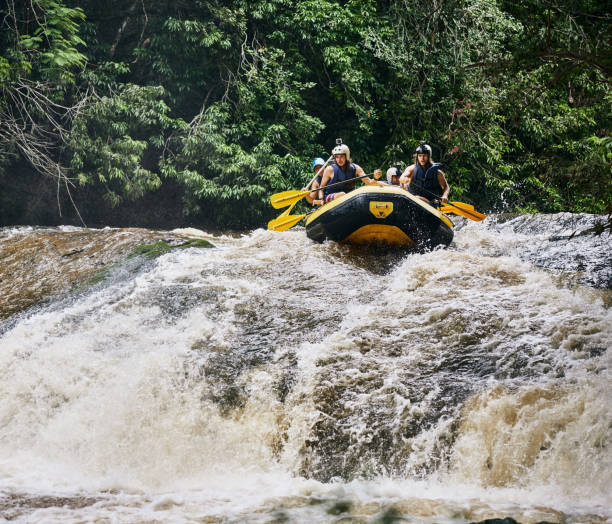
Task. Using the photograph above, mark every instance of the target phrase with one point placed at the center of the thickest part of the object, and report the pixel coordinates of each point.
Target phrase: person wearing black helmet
(317, 164)
(343, 170)
(424, 178)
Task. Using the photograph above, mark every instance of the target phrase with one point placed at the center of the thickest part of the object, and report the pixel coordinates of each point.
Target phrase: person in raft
(317, 164)
(393, 175)
(343, 170)
(424, 178)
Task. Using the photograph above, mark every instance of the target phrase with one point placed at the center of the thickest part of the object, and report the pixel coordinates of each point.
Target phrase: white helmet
(391, 172)
(342, 149)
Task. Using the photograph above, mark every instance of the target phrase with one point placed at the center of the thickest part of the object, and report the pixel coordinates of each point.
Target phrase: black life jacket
(341, 176)
(425, 183)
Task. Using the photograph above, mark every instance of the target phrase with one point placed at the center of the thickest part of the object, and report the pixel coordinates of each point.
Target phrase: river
(269, 379)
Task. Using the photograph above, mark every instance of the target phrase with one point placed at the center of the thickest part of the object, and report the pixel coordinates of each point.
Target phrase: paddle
(462, 209)
(284, 222)
(458, 208)
(287, 198)
(462, 205)
(286, 211)
(281, 218)
(320, 170)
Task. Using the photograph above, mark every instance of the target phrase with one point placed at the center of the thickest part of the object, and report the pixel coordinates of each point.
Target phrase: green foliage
(111, 136)
(233, 99)
(218, 173)
(573, 35)
(193, 51)
(41, 41)
(41, 50)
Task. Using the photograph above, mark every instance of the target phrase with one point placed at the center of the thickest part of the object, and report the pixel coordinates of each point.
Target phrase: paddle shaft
(290, 208)
(466, 211)
(318, 171)
(322, 188)
(298, 195)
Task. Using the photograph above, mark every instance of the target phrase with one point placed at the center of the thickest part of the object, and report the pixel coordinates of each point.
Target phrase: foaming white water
(563, 243)
(215, 384)
(554, 433)
(99, 388)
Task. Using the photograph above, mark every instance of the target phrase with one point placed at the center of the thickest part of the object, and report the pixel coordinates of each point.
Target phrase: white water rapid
(270, 379)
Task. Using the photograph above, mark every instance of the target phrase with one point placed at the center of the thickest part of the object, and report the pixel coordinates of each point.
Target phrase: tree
(40, 51)
(231, 100)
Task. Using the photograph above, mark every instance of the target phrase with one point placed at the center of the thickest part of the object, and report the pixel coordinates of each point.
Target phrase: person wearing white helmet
(393, 175)
(424, 178)
(343, 170)
(317, 164)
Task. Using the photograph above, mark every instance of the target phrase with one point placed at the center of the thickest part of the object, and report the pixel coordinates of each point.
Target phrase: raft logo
(381, 209)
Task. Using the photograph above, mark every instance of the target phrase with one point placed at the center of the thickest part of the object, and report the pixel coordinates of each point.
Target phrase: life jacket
(341, 176)
(425, 183)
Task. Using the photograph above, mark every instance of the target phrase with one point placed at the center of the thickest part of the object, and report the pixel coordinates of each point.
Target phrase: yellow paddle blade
(284, 222)
(463, 205)
(286, 198)
(472, 214)
(287, 211)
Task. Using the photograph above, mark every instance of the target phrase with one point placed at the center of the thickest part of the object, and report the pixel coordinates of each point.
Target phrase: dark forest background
(162, 114)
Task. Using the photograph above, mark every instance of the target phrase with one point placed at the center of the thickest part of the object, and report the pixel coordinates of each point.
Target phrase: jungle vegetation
(199, 110)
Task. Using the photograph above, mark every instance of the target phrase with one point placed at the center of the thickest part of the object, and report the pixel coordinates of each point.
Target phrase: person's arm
(359, 172)
(313, 195)
(445, 187)
(310, 197)
(406, 176)
(328, 174)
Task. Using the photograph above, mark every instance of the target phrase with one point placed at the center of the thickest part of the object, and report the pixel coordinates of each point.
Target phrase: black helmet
(424, 149)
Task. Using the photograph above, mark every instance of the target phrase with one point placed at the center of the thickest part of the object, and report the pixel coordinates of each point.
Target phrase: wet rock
(507, 520)
(17, 505)
(36, 264)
